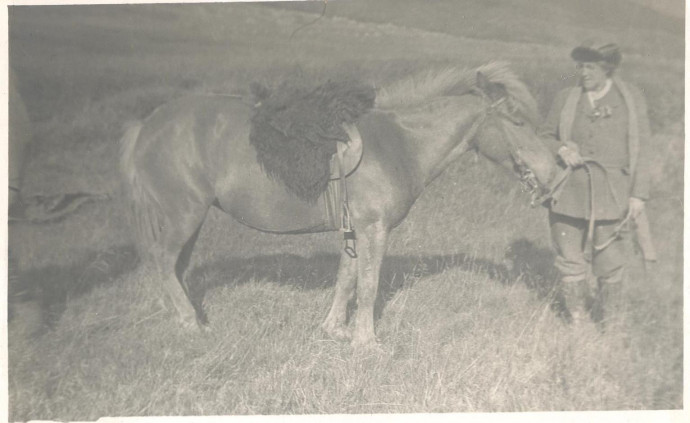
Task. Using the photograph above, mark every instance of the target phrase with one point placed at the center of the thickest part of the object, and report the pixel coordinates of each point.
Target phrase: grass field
(466, 318)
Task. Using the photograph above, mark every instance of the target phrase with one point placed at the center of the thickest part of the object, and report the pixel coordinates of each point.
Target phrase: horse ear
(494, 90)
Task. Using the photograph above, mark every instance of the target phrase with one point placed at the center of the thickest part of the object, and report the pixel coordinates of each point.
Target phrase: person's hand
(570, 155)
(635, 207)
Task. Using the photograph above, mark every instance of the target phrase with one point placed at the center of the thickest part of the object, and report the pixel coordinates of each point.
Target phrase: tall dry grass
(466, 316)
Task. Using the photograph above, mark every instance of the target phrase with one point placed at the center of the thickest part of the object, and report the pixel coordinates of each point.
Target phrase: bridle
(529, 179)
(494, 109)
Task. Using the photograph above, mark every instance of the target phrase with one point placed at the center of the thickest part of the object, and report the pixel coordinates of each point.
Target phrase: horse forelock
(432, 83)
(501, 73)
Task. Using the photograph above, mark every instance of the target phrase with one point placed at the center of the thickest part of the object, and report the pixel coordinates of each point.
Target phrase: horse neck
(437, 131)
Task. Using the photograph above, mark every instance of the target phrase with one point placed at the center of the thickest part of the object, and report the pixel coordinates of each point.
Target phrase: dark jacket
(605, 139)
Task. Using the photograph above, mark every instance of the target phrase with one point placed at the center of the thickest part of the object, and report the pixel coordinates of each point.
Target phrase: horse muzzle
(539, 192)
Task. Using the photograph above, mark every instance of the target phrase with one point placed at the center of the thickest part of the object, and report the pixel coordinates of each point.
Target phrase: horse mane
(426, 85)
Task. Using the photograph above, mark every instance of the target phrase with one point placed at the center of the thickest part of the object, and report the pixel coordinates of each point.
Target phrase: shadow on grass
(52, 286)
(319, 272)
(524, 263)
(533, 266)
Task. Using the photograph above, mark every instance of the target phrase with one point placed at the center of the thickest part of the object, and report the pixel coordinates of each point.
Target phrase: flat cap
(597, 51)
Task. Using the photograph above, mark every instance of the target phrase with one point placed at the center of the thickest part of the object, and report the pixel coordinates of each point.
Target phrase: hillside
(100, 50)
(637, 28)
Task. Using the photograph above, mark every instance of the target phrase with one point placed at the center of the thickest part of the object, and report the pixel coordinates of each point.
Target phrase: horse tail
(144, 212)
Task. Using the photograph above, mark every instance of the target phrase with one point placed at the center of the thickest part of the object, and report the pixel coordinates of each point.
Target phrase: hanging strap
(588, 165)
(346, 218)
(345, 223)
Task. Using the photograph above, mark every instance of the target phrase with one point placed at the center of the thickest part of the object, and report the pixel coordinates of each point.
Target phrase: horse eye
(512, 109)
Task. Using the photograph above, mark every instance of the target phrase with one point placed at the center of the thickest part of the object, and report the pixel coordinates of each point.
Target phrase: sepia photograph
(345, 209)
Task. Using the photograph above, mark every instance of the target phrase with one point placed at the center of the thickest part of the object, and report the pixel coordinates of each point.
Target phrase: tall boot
(577, 298)
(612, 300)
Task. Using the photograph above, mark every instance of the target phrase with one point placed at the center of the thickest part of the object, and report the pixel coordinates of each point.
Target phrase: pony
(194, 153)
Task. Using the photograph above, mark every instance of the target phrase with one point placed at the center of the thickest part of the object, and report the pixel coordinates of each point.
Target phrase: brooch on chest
(600, 112)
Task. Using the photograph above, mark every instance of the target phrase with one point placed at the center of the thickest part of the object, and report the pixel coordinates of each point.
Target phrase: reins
(491, 109)
(556, 186)
(588, 163)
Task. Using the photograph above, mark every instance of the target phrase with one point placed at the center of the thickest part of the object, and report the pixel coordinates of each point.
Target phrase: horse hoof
(367, 346)
(191, 325)
(339, 333)
(204, 327)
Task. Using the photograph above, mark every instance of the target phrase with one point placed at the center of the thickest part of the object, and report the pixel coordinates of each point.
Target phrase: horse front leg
(335, 324)
(371, 247)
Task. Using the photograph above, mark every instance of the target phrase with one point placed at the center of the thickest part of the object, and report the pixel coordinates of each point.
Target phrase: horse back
(202, 143)
(193, 133)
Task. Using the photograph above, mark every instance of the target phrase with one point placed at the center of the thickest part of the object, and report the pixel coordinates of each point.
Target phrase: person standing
(599, 129)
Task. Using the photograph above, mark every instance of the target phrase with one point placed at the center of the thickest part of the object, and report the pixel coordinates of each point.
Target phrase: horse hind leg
(174, 289)
(335, 324)
(172, 253)
(169, 201)
(180, 268)
(172, 256)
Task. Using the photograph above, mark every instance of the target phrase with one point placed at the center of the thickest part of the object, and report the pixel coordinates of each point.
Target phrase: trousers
(569, 237)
